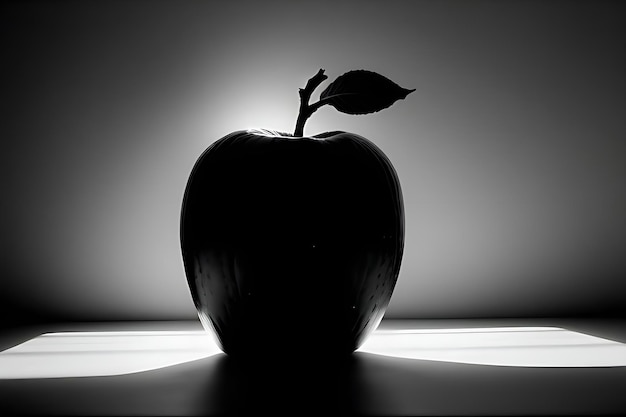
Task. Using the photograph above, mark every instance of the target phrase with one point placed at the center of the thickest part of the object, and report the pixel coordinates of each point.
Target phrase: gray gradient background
(511, 153)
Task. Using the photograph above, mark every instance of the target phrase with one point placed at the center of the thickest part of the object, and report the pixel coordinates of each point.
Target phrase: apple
(293, 244)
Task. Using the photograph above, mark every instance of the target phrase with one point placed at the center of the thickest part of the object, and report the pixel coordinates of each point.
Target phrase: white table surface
(408, 367)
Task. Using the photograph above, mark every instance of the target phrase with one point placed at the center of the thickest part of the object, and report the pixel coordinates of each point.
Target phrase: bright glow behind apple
(84, 354)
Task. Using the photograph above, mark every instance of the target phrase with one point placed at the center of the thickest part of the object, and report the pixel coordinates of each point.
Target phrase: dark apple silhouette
(292, 244)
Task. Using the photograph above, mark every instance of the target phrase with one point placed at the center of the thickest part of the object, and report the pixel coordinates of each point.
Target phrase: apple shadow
(282, 385)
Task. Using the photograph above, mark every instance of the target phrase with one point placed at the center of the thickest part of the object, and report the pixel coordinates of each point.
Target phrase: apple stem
(306, 110)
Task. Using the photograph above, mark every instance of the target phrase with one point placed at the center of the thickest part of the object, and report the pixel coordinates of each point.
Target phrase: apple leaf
(362, 92)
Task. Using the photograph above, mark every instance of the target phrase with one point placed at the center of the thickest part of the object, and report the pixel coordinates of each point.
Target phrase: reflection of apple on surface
(293, 244)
